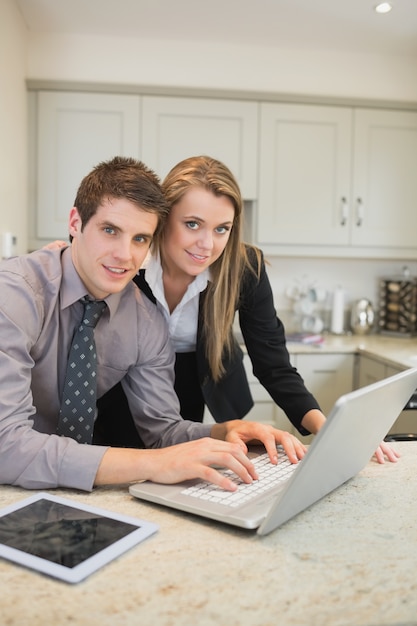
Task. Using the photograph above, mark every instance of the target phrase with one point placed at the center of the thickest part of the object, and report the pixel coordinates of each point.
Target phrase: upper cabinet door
(304, 175)
(75, 132)
(176, 128)
(385, 179)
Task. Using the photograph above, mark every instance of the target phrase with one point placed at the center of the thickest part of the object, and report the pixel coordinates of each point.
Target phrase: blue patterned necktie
(78, 407)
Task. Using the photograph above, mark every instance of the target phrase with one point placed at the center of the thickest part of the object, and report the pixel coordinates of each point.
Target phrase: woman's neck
(175, 285)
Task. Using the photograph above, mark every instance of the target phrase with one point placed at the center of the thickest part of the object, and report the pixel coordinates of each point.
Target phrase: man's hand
(193, 459)
(243, 432)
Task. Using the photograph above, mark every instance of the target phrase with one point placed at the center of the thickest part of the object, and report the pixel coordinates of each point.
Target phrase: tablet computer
(64, 538)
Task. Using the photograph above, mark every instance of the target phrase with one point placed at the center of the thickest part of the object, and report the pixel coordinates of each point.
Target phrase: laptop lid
(353, 430)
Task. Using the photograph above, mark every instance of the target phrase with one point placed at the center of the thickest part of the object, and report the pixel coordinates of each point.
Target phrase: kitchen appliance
(410, 422)
(398, 305)
(362, 317)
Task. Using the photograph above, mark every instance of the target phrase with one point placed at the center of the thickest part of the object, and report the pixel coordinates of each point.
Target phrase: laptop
(353, 430)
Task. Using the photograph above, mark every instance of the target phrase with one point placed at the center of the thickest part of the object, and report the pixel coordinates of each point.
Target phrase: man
(118, 209)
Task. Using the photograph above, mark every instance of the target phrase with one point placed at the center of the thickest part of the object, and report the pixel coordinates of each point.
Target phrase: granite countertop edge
(399, 352)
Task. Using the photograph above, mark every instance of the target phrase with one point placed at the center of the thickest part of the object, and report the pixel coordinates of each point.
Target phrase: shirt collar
(153, 274)
(73, 288)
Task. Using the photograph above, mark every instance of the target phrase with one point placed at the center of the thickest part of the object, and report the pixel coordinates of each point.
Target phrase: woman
(200, 274)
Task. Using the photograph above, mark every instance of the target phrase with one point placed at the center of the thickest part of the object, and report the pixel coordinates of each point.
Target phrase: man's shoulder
(143, 305)
(36, 269)
(142, 318)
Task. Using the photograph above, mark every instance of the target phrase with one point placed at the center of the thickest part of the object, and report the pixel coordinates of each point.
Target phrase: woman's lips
(198, 257)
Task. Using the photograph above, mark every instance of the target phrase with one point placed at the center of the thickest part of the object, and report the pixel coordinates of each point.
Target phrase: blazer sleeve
(264, 337)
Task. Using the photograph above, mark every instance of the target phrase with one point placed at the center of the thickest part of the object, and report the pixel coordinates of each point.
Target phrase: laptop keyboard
(269, 476)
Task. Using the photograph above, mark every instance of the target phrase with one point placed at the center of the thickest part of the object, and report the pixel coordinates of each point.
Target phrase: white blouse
(183, 321)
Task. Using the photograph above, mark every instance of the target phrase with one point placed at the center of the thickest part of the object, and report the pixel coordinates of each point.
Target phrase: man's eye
(140, 239)
(109, 230)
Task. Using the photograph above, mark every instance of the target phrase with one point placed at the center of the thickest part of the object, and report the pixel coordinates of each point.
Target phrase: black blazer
(264, 338)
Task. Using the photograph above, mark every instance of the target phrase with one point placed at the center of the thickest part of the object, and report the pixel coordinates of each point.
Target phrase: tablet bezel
(91, 564)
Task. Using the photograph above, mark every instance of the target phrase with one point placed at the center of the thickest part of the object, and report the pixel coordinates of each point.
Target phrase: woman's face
(197, 231)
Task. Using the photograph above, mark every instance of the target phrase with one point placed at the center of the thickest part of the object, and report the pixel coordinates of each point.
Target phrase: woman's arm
(264, 336)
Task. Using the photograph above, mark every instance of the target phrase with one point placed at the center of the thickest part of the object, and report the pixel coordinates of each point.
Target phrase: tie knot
(92, 311)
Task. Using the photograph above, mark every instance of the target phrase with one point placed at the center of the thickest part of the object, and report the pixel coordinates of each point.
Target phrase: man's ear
(74, 222)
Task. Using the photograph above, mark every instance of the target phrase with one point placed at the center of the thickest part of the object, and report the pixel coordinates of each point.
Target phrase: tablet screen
(64, 538)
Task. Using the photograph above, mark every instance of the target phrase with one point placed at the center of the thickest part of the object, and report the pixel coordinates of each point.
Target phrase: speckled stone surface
(350, 560)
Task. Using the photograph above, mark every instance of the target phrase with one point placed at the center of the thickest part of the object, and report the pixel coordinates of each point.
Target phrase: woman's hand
(242, 432)
(385, 450)
(56, 245)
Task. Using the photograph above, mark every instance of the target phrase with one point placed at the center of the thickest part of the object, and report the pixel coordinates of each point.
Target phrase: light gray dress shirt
(39, 311)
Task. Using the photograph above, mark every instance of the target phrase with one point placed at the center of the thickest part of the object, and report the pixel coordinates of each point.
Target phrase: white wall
(358, 277)
(221, 66)
(13, 124)
(93, 59)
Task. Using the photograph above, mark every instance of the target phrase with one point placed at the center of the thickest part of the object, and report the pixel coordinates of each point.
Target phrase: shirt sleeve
(28, 458)
(264, 336)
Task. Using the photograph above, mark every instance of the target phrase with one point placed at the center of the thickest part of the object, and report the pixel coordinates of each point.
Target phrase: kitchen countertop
(395, 351)
(349, 560)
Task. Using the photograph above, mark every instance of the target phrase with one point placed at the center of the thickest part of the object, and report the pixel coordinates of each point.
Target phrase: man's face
(110, 249)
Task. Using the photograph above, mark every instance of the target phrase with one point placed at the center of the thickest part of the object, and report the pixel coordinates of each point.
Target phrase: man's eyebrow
(145, 235)
(108, 224)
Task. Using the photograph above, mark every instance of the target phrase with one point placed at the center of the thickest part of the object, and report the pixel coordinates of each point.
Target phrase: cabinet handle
(359, 212)
(344, 211)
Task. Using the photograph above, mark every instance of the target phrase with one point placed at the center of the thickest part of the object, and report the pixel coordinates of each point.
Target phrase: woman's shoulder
(253, 260)
(143, 285)
(253, 275)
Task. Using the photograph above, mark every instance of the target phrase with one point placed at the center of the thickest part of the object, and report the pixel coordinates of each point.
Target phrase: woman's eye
(192, 225)
(222, 230)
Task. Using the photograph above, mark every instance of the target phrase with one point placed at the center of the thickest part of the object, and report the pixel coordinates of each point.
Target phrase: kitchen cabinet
(75, 131)
(372, 370)
(327, 376)
(264, 408)
(319, 180)
(369, 371)
(337, 181)
(176, 128)
(384, 195)
(304, 174)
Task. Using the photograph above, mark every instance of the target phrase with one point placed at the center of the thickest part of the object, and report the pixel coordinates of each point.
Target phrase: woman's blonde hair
(226, 272)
